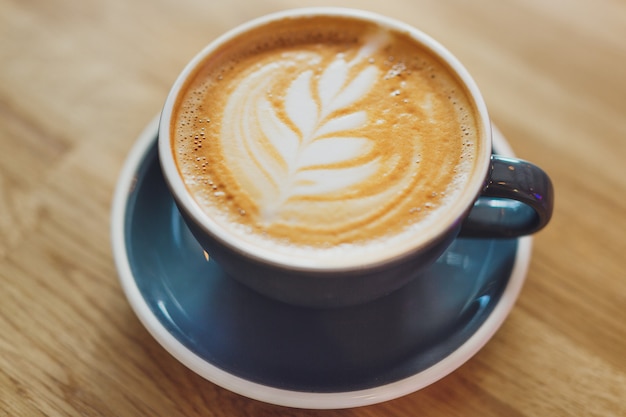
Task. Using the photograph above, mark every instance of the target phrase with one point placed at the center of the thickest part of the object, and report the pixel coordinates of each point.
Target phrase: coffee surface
(324, 132)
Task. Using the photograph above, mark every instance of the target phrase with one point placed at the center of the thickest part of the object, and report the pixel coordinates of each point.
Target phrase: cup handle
(517, 200)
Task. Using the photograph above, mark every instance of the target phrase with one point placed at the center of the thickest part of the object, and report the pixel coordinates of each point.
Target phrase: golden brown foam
(420, 126)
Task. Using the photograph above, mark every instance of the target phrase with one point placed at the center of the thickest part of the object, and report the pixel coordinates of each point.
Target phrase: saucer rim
(281, 396)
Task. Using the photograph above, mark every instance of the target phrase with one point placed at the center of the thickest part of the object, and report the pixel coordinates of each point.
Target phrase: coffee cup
(325, 156)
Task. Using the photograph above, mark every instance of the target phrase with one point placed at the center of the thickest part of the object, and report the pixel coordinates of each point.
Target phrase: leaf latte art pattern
(306, 145)
(349, 136)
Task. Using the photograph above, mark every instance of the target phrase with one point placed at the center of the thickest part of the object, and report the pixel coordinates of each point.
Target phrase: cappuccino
(315, 133)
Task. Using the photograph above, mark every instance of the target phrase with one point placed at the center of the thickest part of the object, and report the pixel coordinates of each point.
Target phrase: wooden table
(80, 79)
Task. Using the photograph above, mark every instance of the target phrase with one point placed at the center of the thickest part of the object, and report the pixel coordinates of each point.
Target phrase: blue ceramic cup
(503, 198)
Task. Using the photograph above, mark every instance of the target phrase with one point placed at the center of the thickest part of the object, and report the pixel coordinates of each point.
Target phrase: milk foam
(359, 140)
(306, 152)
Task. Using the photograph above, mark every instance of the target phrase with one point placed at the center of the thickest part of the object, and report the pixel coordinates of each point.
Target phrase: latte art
(311, 137)
(307, 145)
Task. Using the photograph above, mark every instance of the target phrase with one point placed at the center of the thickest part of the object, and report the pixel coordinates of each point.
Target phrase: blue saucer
(296, 356)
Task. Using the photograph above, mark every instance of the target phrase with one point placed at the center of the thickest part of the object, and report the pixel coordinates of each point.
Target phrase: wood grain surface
(80, 79)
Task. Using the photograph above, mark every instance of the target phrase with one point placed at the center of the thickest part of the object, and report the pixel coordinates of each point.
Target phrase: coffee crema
(324, 132)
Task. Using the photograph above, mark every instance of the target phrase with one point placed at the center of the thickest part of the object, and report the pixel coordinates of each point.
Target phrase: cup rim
(453, 215)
